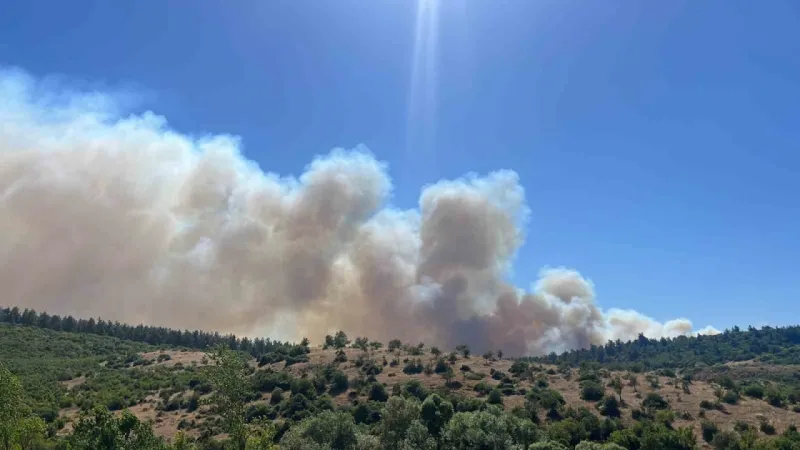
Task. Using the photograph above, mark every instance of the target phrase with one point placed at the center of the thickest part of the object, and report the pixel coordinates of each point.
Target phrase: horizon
(662, 134)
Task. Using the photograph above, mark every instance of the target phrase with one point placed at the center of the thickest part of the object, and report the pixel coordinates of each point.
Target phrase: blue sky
(657, 141)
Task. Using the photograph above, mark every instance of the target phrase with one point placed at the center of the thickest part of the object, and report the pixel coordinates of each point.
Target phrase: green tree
(101, 430)
(547, 445)
(327, 430)
(261, 435)
(232, 389)
(11, 407)
(362, 343)
(398, 416)
(435, 413)
(30, 431)
(340, 340)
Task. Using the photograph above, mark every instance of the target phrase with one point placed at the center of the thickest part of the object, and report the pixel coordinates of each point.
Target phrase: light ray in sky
(422, 92)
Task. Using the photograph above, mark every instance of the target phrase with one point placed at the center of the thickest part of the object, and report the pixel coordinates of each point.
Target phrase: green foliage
(709, 430)
(495, 397)
(413, 366)
(487, 430)
(327, 430)
(755, 390)
(102, 430)
(377, 392)
(153, 336)
(435, 413)
(654, 401)
(776, 345)
(301, 415)
(730, 397)
(547, 445)
(610, 407)
(592, 391)
(399, 415)
(232, 389)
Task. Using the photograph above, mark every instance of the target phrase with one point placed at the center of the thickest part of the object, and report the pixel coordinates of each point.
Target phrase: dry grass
(747, 410)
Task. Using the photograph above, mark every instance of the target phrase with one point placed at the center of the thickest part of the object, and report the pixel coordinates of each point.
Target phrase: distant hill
(768, 344)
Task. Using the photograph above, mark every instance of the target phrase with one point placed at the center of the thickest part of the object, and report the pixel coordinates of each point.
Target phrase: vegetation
(779, 345)
(120, 393)
(150, 335)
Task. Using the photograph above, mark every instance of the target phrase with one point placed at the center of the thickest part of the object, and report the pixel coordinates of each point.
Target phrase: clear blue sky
(659, 142)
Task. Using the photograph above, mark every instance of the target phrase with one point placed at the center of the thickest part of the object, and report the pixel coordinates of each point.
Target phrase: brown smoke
(123, 218)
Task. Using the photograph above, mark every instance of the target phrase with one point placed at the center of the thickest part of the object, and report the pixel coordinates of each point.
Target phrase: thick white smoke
(123, 218)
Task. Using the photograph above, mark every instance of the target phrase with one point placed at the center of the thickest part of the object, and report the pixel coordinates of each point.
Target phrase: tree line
(776, 345)
(196, 339)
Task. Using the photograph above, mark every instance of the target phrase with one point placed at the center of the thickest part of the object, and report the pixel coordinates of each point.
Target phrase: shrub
(726, 440)
(774, 397)
(495, 397)
(754, 390)
(277, 396)
(730, 397)
(708, 430)
(194, 403)
(377, 392)
(483, 388)
(767, 428)
(339, 382)
(610, 407)
(413, 366)
(591, 391)
(655, 401)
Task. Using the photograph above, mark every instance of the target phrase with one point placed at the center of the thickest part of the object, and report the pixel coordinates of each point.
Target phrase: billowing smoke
(126, 219)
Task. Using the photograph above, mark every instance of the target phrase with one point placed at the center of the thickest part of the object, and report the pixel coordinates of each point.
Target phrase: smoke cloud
(123, 218)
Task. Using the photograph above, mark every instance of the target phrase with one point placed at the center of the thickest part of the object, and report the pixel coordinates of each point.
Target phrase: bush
(730, 397)
(414, 366)
(483, 388)
(610, 407)
(754, 390)
(194, 403)
(495, 397)
(339, 382)
(767, 428)
(726, 440)
(591, 391)
(708, 430)
(277, 396)
(774, 397)
(655, 401)
(378, 393)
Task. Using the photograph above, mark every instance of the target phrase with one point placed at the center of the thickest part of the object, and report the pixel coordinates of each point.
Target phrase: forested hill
(196, 339)
(768, 344)
(779, 345)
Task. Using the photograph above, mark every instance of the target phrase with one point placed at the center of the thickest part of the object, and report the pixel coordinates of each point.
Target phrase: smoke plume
(123, 218)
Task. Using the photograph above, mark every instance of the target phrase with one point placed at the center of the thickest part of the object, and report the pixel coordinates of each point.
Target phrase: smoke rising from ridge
(126, 219)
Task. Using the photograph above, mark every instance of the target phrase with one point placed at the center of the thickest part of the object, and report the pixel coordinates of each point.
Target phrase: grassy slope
(54, 368)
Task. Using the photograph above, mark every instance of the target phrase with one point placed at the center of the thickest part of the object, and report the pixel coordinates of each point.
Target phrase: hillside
(452, 400)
